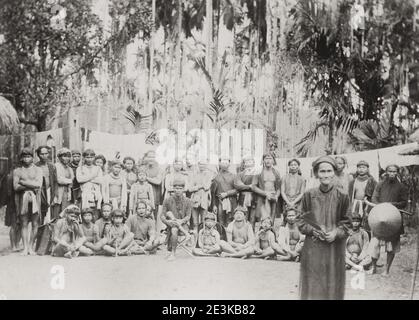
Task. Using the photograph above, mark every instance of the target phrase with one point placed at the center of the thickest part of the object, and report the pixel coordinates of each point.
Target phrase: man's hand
(223, 195)
(319, 234)
(258, 251)
(331, 236)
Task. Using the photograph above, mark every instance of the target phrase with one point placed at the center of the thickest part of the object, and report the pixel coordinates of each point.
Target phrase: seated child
(265, 244)
(119, 238)
(93, 243)
(290, 239)
(68, 235)
(208, 238)
(104, 219)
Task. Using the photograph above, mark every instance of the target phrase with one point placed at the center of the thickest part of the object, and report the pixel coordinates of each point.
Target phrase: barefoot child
(265, 245)
(240, 237)
(290, 238)
(93, 243)
(208, 238)
(115, 187)
(141, 190)
(104, 219)
(68, 235)
(119, 239)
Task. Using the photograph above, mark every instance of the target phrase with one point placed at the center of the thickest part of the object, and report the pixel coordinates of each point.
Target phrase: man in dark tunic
(223, 193)
(325, 222)
(393, 191)
(155, 178)
(49, 179)
(75, 190)
(181, 208)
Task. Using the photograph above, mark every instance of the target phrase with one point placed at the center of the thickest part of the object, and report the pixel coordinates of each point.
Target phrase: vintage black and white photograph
(209, 149)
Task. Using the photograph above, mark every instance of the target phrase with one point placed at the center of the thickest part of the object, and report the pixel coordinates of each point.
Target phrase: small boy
(119, 238)
(68, 235)
(141, 190)
(290, 238)
(93, 243)
(208, 238)
(265, 245)
(115, 187)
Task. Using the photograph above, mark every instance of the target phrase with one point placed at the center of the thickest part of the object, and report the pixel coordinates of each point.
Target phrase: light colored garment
(29, 197)
(63, 190)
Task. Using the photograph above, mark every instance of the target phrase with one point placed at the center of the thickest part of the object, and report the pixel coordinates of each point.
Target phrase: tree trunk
(208, 57)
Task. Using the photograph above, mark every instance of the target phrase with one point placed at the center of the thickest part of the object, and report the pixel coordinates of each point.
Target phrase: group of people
(112, 208)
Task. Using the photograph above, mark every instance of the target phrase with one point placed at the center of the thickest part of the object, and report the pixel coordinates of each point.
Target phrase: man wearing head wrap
(360, 191)
(243, 184)
(240, 237)
(65, 177)
(90, 178)
(27, 184)
(267, 185)
(223, 193)
(357, 256)
(325, 222)
(68, 235)
(181, 208)
(74, 164)
(390, 190)
(49, 179)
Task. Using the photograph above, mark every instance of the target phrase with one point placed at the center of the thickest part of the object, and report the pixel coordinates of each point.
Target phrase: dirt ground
(152, 277)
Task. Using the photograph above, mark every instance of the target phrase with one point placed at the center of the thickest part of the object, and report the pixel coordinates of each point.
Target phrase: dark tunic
(322, 270)
(259, 182)
(75, 189)
(242, 183)
(52, 185)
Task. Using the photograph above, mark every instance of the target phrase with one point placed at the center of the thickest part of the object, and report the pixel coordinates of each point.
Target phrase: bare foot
(75, 254)
(25, 252)
(224, 255)
(15, 249)
(385, 274)
(32, 253)
(68, 255)
(244, 257)
(267, 258)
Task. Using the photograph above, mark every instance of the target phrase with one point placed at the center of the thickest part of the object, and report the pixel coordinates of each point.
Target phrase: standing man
(65, 177)
(361, 189)
(223, 193)
(49, 177)
(181, 208)
(393, 191)
(243, 184)
(90, 178)
(155, 178)
(75, 190)
(27, 183)
(325, 223)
